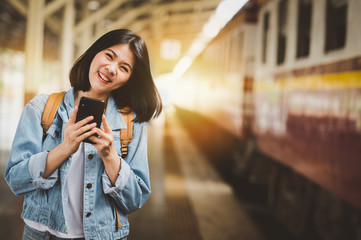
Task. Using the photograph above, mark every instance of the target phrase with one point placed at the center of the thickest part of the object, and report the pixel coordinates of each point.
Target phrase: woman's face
(110, 69)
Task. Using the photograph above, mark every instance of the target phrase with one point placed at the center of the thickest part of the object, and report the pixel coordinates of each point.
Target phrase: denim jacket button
(89, 185)
(88, 214)
(90, 156)
(57, 133)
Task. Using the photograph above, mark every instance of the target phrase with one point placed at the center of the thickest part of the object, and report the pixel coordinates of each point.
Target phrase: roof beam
(182, 5)
(188, 17)
(53, 24)
(18, 5)
(100, 14)
(176, 35)
(128, 17)
(139, 25)
(189, 29)
(53, 6)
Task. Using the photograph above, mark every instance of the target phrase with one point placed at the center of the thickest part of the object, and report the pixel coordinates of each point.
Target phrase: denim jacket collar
(115, 120)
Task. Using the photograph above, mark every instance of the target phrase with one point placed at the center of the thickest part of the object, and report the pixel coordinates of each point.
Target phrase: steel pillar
(34, 47)
(67, 43)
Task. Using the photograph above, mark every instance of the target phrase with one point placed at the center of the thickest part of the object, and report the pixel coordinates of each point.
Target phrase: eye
(109, 55)
(125, 69)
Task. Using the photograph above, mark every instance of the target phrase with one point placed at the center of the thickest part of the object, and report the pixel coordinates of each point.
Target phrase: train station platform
(189, 199)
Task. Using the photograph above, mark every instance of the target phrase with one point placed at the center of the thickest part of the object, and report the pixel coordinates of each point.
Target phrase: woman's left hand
(105, 148)
(104, 142)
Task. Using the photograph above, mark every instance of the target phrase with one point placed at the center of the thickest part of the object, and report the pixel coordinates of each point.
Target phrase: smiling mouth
(103, 78)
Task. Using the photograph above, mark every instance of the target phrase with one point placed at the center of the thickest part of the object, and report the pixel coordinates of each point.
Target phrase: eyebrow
(117, 56)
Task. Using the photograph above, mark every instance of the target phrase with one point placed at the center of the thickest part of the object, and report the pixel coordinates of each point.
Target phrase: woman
(77, 190)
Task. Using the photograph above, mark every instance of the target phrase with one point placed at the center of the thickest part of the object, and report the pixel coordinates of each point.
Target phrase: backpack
(51, 108)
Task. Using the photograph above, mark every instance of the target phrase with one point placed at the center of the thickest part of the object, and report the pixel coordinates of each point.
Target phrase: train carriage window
(233, 61)
(336, 19)
(304, 28)
(240, 47)
(265, 36)
(282, 28)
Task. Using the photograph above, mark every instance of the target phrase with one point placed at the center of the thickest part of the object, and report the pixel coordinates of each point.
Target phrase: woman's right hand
(76, 132)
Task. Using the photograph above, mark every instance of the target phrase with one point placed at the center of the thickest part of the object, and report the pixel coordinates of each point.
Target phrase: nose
(112, 69)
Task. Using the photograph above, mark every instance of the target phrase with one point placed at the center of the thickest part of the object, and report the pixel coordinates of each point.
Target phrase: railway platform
(189, 199)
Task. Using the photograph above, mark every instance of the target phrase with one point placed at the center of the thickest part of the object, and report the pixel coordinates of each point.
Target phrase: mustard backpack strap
(50, 109)
(126, 135)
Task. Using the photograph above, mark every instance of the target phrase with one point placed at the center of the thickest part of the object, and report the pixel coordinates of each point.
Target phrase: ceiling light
(182, 66)
(224, 13)
(93, 5)
(170, 49)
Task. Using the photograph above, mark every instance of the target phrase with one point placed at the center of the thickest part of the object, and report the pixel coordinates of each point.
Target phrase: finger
(106, 126)
(101, 133)
(84, 121)
(104, 137)
(94, 139)
(73, 115)
(84, 129)
(88, 135)
(81, 134)
(99, 138)
(100, 143)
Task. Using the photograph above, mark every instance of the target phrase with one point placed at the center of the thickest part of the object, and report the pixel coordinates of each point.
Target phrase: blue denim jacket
(46, 199)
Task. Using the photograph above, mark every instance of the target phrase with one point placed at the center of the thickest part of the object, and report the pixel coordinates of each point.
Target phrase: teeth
(103, 77)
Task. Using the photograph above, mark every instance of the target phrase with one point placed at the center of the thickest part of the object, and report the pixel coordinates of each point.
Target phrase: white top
(75, 185)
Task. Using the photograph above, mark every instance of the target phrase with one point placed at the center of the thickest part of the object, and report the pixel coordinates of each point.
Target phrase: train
(281, 82)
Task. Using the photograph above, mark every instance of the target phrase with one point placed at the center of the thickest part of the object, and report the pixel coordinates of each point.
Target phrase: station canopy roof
(168, 26)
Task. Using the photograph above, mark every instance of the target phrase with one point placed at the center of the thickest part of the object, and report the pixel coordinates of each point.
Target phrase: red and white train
(287, 74)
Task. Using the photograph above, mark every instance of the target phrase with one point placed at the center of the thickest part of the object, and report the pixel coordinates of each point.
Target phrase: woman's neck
(89, 94)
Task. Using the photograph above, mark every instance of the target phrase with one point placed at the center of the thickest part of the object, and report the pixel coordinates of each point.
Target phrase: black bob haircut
(139, 93)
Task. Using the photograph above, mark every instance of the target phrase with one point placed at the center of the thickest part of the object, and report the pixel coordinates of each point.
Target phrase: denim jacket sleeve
(132, 187)
(27, 161)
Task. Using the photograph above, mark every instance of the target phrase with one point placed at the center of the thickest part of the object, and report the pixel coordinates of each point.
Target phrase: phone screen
(90, 107)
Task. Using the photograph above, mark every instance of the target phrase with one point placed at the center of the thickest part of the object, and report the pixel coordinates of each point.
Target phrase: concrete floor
(194, 193)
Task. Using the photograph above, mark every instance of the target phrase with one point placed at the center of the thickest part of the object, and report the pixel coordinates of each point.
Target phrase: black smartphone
(90, 107)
